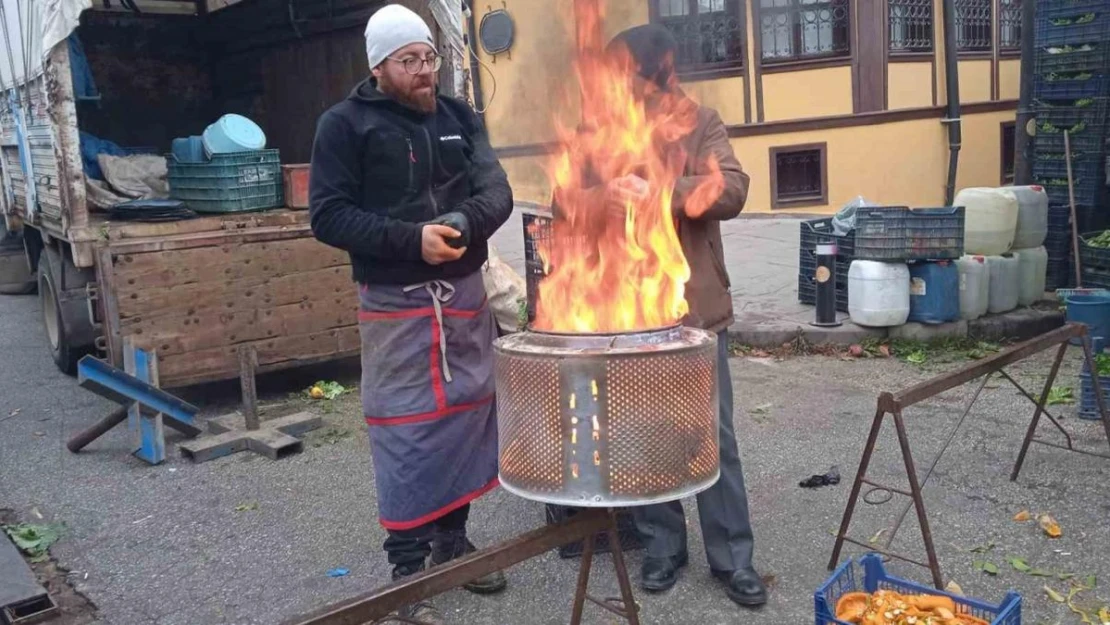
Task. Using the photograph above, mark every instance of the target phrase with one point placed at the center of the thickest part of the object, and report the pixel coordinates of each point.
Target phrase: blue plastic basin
(1093, 310)
(189, 150)
(233, 133)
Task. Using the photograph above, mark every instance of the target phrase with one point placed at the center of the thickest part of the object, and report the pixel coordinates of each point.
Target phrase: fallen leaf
(1041, 573)
(1104, 614)
(15, 412)
(1065, 576)
(856, 351)
(884, 350)
(983, 548)
(1050, 526)
(987, 567)
(877, 537)
(762, 409)
(244, 507)
(1019, 564)
(1023, 516)
(954, 588)
(1091, 581)
(759, 353)
(1055, 596)
(40, 433)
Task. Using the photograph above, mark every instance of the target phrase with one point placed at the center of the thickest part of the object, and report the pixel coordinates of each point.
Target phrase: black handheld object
(459, 222)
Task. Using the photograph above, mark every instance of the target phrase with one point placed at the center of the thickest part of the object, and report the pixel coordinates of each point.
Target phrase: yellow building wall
(909, 85)
(981, 150)
(1009, 79)
(528, 178)
(725, 94)
(975, 81)
(807, 93)
(622, 14)
(525, 90)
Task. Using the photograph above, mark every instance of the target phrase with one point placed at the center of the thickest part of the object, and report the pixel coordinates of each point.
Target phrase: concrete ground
(761, 255)
(244, 540)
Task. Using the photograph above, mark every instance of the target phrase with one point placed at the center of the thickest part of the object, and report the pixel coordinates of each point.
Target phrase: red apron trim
(411, 313)
(427, 416)
(432, 516)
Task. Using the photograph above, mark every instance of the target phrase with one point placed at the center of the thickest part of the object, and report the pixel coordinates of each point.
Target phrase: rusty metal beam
(920, 392)
(377, 604)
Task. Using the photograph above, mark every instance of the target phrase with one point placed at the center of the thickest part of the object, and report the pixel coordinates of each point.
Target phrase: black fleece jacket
(380, 170)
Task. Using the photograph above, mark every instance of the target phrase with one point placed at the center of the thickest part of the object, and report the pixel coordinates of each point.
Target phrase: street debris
(1061, 395)
(1050, 526)
(34, 539)
(246, 507)
(953, 588)
(989, 568)
(326, 390)
(828, 479)
(1023, 516)
(338, 573)
(332, 436)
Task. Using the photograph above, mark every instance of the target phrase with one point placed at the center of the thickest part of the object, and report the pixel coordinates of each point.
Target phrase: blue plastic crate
(847, 578)
(1090, 56)
(1081, 22)
(1088, 402)
(1082, 168)
(1049, 9)
(1070, 85)
(1087, 189)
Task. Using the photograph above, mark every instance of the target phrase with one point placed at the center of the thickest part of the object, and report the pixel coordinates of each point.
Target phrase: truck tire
(69, 331)
(16, 278)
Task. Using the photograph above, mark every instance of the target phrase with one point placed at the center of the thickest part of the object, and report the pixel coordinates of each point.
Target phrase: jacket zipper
(431, 169)
(412, 159)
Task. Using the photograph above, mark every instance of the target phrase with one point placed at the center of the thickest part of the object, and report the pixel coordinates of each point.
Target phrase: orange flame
(614, 262)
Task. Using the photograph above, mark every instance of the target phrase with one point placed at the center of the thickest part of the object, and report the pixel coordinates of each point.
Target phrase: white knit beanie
(392, 28)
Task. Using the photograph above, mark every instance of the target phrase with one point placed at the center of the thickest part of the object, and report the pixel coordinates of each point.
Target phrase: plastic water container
(990, 219)
(1091, 309)
(974, 286)
(878, 293)
(1032, 223)
(1032, 269)
(934, 292)
(233, 133)
(1004, 286)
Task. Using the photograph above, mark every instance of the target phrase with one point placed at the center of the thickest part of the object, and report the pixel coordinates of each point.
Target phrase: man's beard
(421, 101)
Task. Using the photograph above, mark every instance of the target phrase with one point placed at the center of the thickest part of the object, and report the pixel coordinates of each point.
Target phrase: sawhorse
(894, 403)
(146, 407)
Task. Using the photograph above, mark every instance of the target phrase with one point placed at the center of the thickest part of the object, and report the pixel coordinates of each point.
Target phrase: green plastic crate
(228, 183)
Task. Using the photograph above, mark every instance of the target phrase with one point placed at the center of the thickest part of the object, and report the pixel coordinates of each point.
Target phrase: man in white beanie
(406, 181)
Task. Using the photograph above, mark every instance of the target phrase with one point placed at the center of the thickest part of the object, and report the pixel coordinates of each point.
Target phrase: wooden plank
(109, 305)
(225, 262)
(203, 239)
(178, 334)
(120, 230)
(237, 295)
(284, 351)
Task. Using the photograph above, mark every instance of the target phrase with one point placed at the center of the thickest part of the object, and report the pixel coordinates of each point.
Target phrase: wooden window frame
(1007, 127)
(987, 53)
(707, 71)
(823, 199)
(1008, 53)
(834, 59)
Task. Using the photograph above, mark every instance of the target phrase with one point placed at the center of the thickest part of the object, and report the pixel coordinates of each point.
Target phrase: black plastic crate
(1096, 277)
(1068, 85)
(537, 228)
(902, 233)
(1083, 167)
(1091, 256)
(807, 292)
(627, 534)
(1059, 275)
(1087, 190)
(1078, 23)
(1065, 8)
(1083, 57)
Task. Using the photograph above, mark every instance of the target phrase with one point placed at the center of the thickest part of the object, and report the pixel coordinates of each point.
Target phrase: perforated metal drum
(608, 420)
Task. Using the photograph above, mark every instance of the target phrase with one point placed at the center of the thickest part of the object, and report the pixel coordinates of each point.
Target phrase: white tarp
(32, 28)
(448, 16)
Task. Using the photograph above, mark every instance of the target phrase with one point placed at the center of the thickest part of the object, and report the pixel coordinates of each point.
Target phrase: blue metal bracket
(149, 406)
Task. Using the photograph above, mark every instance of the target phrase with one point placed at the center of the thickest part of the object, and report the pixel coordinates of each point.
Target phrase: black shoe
(447, 546)
(744, 587)
(424, 611)
(659, 574)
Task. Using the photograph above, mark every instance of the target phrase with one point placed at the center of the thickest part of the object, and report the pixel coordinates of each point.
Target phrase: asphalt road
(244, 540)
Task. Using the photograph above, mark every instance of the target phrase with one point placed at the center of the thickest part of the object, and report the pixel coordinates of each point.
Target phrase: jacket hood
(649, 46)
(367, 92)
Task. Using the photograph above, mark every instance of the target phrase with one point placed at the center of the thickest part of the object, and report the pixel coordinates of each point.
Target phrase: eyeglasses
(414, 65)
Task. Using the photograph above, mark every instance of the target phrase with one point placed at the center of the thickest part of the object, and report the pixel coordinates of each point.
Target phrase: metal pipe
(952, 81)
(1023, 141)
(475, 74)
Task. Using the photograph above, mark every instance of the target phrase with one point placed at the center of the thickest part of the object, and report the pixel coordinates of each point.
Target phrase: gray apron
(428, 396)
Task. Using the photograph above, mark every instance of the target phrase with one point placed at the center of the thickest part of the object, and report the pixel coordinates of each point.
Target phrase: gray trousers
(722, 509)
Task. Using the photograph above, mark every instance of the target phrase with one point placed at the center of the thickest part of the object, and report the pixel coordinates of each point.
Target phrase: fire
(617, 270)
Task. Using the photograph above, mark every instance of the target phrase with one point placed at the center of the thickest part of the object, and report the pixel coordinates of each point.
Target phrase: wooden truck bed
(195, 291)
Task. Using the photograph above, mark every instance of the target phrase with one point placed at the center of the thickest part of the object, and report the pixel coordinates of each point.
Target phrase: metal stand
(146, 407)
(825, 277)
(377, 605)
(894, 403)
(276, 440)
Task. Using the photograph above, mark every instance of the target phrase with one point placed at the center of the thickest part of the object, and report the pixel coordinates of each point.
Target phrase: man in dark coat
(723, 508)
(405, 180)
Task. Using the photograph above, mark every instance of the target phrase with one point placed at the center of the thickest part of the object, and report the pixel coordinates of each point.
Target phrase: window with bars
(793, 30)
(973, 25)
(911, 26)
(799, 176)
(1009, 26)
(710, 33)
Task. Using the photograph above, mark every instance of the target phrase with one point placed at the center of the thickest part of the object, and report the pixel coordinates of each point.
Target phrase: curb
(1020, 324)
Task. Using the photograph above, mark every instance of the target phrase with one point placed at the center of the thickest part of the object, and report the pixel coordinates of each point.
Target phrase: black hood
(367, 92)
(649, 46)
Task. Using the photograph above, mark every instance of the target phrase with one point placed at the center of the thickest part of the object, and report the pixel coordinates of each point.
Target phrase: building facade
(825, 100)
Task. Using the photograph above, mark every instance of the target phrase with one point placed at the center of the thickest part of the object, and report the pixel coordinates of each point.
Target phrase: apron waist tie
(441, 292)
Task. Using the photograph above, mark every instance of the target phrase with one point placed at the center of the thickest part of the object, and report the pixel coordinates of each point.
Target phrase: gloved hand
(460, 223)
